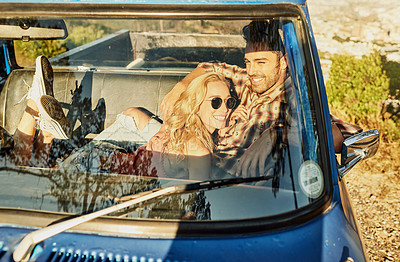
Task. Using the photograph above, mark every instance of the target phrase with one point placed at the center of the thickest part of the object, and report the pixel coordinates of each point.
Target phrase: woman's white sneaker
(42, 83)
(52, 118)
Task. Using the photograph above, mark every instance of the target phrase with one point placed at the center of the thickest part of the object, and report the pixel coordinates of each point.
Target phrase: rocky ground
(356, 27)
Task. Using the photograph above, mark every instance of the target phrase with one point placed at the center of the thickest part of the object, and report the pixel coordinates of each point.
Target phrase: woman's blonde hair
(184, 123)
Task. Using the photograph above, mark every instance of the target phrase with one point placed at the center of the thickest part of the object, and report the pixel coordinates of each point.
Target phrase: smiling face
(266, 69)
(215, 118)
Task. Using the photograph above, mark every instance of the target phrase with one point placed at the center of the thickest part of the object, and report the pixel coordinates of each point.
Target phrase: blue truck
(107, 56)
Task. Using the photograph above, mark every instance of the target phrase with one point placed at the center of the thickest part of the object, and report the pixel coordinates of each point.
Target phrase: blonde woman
(182, 149)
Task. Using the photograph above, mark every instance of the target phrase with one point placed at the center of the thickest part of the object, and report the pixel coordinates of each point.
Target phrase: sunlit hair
(184, 123)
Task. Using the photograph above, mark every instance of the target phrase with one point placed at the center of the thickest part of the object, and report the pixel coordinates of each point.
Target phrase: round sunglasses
(216, 102)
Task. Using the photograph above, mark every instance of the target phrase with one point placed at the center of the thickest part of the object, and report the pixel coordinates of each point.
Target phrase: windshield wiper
(28, 243)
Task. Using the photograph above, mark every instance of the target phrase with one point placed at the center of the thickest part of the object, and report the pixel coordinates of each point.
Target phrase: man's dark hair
(263, 35)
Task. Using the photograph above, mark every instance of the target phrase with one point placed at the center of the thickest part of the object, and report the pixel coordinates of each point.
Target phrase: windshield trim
(147, 10)
(315, 86)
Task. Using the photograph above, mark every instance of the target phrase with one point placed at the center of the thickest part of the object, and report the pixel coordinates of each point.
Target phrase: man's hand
(240, 113)
(256, 155)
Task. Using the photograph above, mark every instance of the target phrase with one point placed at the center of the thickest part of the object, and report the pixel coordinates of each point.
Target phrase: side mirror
(356, 148)
(32, 29)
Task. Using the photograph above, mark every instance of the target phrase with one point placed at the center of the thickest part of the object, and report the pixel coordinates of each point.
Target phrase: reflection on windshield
(82, 193)
(135, 110)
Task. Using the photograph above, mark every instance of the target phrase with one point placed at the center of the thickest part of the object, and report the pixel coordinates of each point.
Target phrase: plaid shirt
(263, 111)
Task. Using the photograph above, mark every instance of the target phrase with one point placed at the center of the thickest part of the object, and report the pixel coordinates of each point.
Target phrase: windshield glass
(145, 104)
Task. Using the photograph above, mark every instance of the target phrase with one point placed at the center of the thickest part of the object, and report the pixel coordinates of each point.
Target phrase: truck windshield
(104, 118)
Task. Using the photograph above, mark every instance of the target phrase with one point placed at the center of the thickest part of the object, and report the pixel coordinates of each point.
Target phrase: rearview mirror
(32, 29)
(356, 148)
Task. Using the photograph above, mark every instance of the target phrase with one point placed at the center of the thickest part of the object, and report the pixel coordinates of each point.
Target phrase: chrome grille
(64, 255)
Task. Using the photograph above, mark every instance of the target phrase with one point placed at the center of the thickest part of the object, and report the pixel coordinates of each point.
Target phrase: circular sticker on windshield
(311, 179)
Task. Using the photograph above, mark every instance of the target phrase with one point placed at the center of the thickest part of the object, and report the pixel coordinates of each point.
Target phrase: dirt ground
(374, 188)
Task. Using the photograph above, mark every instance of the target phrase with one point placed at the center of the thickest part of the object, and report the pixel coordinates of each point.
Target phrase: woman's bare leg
(41, 149)
(24, 135)
(24, 143)
(141, 118)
